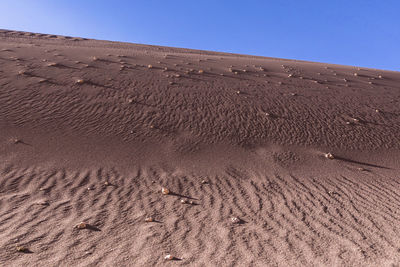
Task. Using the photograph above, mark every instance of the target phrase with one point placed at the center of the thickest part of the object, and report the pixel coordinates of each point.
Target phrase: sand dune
(90, 131)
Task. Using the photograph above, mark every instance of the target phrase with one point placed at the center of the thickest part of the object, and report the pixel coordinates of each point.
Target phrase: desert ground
(119, 154)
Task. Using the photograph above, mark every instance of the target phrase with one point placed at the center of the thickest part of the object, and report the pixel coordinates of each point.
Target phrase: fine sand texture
(118, 154)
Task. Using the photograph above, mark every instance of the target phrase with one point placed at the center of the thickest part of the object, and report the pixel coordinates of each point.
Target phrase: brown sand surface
(90, 131)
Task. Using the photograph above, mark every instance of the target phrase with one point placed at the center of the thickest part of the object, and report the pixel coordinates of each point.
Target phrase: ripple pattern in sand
(287, 220)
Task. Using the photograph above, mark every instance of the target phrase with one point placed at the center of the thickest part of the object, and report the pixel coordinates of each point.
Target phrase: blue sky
(351, 32)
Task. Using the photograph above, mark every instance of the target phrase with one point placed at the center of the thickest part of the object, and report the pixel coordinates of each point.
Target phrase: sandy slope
(77, 113)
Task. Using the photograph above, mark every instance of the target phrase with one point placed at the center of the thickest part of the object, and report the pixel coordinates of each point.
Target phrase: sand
(91, 131)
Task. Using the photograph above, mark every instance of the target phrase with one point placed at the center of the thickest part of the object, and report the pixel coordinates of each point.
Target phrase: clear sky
(351, 32)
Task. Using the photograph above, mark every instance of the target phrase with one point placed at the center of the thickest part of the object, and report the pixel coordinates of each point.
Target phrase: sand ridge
(90, 131)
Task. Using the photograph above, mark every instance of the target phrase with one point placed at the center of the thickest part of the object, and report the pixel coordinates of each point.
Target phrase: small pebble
(329, 155)
(149, 219)
(235, 220)
(164, 191)
(169, 257)
(81, 225)
(22, 249)
(43, 203)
